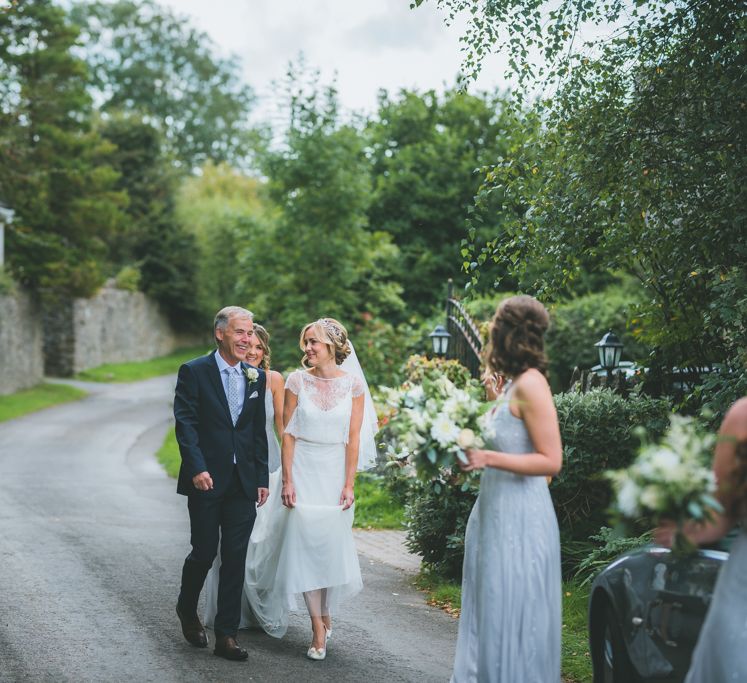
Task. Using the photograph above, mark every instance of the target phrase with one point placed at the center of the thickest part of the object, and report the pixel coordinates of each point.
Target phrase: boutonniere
(252, 375)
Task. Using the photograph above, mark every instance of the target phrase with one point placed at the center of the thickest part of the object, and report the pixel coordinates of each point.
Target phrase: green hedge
(598, 432)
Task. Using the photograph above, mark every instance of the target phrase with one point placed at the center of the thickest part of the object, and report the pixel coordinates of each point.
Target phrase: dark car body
(646, 610)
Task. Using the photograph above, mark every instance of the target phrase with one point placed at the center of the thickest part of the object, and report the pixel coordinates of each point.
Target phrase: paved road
(92, 537)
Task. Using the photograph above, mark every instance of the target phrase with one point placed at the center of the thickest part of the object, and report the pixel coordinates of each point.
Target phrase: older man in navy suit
(220, 427)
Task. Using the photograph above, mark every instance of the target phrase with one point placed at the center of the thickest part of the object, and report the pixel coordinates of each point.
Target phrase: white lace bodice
(324, 406)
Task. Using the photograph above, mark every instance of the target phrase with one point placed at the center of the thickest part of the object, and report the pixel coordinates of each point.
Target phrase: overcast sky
(367, 44)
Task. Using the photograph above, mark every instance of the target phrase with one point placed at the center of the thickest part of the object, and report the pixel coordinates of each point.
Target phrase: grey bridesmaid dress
(510, 625)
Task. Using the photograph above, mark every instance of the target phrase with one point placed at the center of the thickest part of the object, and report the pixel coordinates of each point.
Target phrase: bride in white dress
(302, 551)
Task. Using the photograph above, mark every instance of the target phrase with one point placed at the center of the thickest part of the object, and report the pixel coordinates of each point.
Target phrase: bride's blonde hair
(330, 332)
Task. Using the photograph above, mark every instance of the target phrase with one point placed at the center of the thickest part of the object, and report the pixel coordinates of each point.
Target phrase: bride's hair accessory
(332, 333)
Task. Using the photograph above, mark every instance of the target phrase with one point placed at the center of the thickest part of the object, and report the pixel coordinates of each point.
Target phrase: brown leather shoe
(228, 648)
(192, 629)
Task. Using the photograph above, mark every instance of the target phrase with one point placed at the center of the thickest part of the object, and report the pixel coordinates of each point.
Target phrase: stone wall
(21, 355)
(64, 338)
(116, 326)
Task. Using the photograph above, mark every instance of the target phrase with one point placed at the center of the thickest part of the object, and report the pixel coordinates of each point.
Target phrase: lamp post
(440, 340)
(610, 350)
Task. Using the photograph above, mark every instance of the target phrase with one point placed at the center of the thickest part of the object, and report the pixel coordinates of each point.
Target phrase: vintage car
(646, 609)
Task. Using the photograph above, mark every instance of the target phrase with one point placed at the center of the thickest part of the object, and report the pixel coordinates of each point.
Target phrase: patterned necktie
(233, 393)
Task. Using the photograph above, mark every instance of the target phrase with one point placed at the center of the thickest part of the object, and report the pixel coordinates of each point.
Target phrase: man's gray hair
(225, 314)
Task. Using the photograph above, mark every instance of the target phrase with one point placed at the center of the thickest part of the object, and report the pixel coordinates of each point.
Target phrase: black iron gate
(465, 344)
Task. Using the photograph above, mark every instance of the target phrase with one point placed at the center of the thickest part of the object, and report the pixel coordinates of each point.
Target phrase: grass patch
(375, 508)
(443, 593)
(575, 656)
(168, 455)
(133, 372)
(36, 398)
(574, 648)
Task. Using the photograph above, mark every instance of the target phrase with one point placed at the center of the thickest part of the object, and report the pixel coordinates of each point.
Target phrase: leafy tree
(426, 151)
(319, 258)
(145, 59)
(640, 161)
(226, 212)
(53, 165)
(164, 253)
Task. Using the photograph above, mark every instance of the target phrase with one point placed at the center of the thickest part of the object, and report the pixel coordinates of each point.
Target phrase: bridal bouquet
(671, 479)
(431, 423)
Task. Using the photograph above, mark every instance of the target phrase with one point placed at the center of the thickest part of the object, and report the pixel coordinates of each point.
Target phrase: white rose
(466, 439)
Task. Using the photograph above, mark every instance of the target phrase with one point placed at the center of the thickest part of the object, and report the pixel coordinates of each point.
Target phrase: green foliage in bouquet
(670, 479)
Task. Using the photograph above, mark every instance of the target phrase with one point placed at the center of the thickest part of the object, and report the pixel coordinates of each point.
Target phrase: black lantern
(610, 349)
(440, 340)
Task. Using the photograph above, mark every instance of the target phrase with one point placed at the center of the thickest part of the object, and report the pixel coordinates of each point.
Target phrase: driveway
(92, 538)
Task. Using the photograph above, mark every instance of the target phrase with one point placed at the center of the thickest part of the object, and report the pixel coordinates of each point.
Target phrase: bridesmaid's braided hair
(516, 337)
(333, 334)
(263, 337)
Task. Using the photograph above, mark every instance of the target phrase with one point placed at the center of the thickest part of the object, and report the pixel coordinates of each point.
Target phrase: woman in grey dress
(510, 625)
(720, 655)
(258, 355)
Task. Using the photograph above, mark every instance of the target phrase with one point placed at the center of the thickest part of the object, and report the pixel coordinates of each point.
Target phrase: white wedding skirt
(299, 558)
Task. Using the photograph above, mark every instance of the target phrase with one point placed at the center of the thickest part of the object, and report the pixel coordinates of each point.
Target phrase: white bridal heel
(319, 653)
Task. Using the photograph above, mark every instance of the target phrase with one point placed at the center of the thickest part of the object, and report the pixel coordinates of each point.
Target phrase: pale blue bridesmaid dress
(510, 625)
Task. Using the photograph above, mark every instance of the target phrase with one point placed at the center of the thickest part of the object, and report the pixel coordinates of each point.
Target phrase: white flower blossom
(444, 431)
(466, 439)
(627, 498)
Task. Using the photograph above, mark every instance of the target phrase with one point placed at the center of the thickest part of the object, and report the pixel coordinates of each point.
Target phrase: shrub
(128, 279)
(436, 521)
(418, 368)
(576, 325)
(598, 432)
(437, 510)
(604, 547)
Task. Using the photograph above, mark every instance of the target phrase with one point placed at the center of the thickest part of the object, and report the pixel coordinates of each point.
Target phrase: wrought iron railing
(465, 344)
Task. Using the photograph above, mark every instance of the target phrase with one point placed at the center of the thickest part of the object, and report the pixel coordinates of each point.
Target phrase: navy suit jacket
(208, 438)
